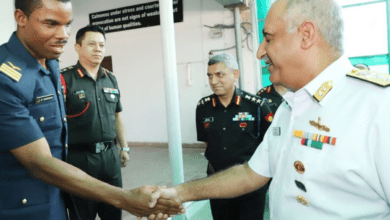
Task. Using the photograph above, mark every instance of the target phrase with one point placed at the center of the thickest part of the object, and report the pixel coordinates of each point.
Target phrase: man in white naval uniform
(327, 148)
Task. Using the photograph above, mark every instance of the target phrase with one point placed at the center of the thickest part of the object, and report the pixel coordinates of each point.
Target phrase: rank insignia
(243, 116)
(371, 76)
(269, 89)
(319, 126)
(323, 90)
(214, 102)
(80, 72)
(206, 125)
(238, 100)
(11, 71)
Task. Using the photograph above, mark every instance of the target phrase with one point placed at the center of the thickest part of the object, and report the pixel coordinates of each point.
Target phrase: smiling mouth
(58, 48)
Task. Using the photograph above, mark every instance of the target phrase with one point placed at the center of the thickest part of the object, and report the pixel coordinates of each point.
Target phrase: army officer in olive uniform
(93, 110)
(273, 95)
(232, 122)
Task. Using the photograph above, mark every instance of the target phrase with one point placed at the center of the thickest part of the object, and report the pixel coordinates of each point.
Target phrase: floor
(150, 165)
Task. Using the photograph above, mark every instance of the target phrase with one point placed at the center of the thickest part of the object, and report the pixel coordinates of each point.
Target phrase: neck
(92, 69)
(226, 99)
(280, 89)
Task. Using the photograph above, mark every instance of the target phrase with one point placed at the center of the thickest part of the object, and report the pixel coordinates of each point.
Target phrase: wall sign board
(132, 17)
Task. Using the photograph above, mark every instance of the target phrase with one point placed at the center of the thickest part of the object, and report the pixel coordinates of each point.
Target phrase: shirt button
(225, 111)
(42, 119)
(98, 99)
(64, 119)
(66, 145)
(24, 201)
(224, 148)
(224, 129)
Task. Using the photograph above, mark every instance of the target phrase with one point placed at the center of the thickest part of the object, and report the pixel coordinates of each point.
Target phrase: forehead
(54, 10)
(274, 19)
(217, 67)
(93, 36)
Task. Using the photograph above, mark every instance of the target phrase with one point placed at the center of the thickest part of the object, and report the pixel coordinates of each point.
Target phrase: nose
(213, 80)
(261, 50)
(63, 32)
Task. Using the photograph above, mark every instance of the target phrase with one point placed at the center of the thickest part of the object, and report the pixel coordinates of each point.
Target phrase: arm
(233, 182)
(121, 138)
(37, 159)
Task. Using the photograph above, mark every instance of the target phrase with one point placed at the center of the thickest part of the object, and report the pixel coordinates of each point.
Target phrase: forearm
(233, 182)
(37, 159)
(120, 130)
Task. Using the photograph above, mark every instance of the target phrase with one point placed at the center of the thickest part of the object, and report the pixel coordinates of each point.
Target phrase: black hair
(28, 6)
(81, 33)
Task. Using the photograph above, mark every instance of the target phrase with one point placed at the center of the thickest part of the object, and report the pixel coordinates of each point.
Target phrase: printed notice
(132, 17)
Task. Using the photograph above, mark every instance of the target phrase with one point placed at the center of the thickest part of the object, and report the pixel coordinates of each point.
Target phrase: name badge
(276, 131)
(44, 98)
(110, 90)
(207, 120)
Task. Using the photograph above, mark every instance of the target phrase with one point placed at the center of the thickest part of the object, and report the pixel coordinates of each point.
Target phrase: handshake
(154, 202)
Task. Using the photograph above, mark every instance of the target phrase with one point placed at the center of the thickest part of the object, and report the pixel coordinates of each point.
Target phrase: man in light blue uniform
(33, 129)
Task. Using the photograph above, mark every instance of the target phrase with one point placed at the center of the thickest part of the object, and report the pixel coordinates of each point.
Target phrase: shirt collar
(333, 72)
(81, 71)
(236, 99)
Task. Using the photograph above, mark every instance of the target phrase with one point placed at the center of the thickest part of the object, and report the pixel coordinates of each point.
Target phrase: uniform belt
(93, 148)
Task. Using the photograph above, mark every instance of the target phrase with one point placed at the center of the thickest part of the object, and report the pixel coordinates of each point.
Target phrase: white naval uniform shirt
(350, 180)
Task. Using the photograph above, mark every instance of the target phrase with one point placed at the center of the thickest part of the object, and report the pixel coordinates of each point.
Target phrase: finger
(154, 197)
(152, 216)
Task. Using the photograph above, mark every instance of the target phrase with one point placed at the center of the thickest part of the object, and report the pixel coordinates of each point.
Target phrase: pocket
(46, 114)
(17, 194)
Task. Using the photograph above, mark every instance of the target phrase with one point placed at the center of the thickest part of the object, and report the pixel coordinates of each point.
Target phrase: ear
(77, 48)
(307, 31)
(20, 18)
(236, 74)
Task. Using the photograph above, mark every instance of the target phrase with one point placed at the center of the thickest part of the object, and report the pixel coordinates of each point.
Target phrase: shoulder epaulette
(204, 100)
(10, 70)
(380, 79)
(252, 98)
(66, 69)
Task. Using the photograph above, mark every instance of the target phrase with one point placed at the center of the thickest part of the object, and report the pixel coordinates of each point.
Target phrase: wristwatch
(127, 149)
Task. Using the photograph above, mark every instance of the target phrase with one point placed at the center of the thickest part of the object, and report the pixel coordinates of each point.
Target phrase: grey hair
(326, 15)
(225, 58)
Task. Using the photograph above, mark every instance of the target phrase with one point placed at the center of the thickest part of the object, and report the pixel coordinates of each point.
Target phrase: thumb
(154, 197)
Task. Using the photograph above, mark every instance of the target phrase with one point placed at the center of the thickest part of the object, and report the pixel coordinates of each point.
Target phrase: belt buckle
(99, 147)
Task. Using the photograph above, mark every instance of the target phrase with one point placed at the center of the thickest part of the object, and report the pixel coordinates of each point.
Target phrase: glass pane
(365, 30)
(351, 2)
(380, 68)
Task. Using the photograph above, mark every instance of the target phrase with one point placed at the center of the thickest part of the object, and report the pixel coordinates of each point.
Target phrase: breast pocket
(45, 114)
(112, 100)
(77, 104)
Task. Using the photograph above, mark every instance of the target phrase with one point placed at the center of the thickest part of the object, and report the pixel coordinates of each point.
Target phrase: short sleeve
(379, 142)
(17, 127)
(201, 131)
(259, 161)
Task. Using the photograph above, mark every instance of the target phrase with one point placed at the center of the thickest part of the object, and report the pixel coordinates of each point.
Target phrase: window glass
(365, 30)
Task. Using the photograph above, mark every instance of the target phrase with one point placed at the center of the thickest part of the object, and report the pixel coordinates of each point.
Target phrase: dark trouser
(246, 207)
(104, 166)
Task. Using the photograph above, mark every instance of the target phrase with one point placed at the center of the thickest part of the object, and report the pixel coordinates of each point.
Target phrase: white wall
(7, 24)
(138, 64)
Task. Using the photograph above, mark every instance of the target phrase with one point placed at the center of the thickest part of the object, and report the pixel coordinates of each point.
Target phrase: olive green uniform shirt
(91, 105)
